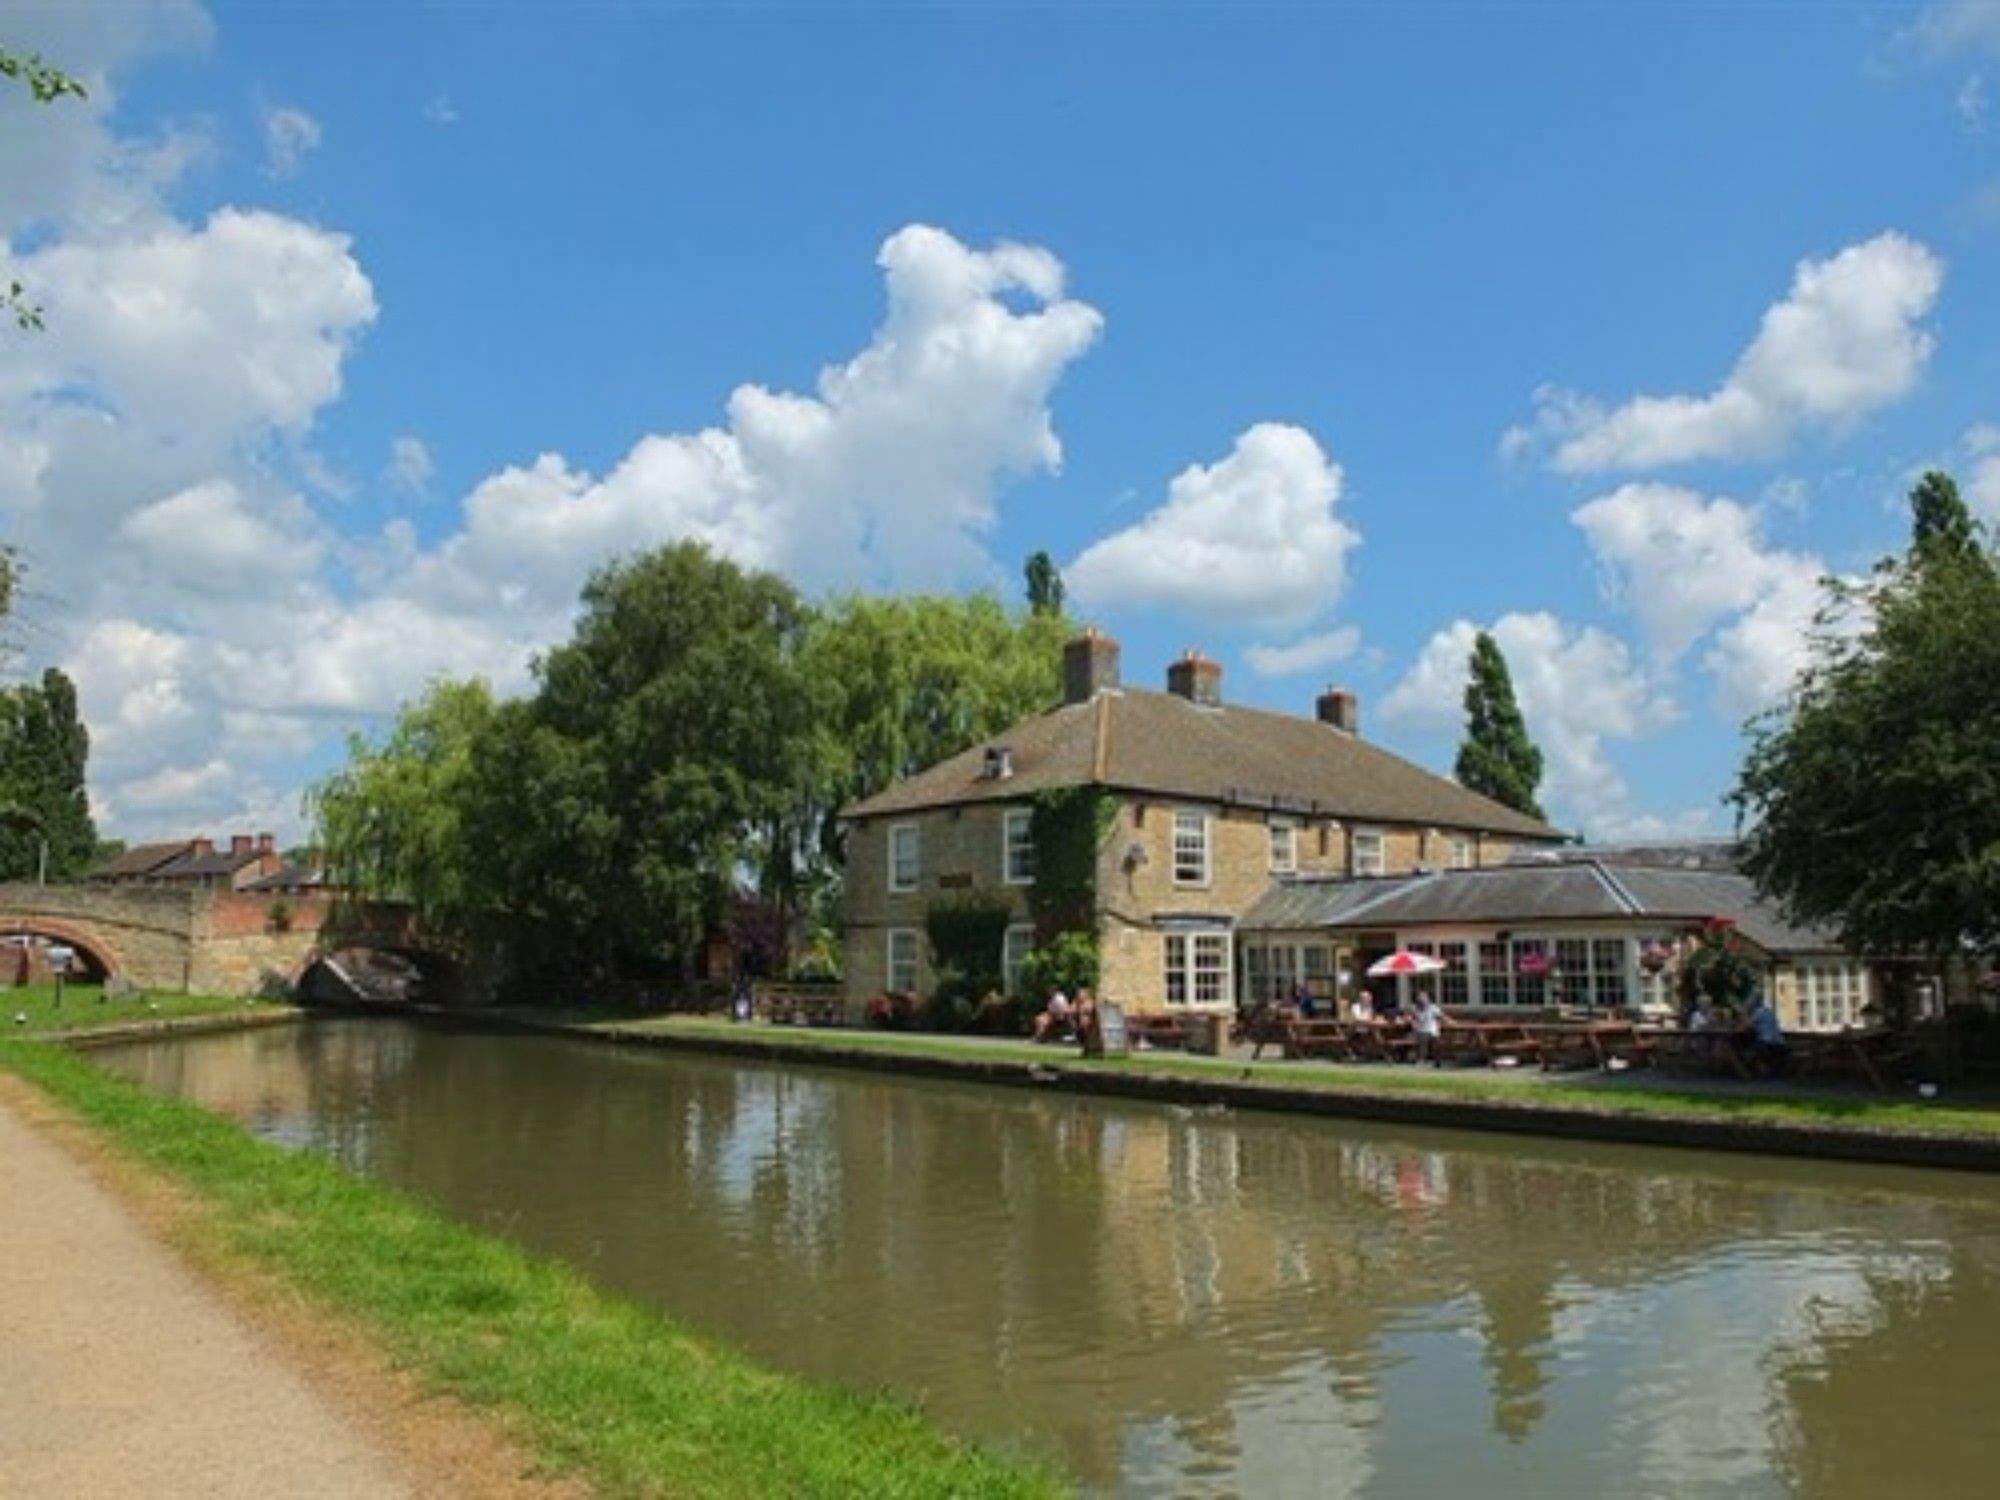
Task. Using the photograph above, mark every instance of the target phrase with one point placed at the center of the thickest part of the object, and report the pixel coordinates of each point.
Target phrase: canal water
(1179, 1302)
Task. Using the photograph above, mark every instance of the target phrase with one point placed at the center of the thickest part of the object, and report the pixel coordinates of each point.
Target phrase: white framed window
(1014, 946)
(1190, 846)
(1197, 967)
(1831, 995)
(901, 967)
(1017, 846)
(1458, 852)
(1368, 851)
(903, 856)
(1284, 846)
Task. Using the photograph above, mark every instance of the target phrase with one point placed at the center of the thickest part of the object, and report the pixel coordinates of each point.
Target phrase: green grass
(592, 1384)
(31, 1010)
(1633, 1094)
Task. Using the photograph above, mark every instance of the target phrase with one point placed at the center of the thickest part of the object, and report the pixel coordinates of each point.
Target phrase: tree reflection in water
(1170, 1300)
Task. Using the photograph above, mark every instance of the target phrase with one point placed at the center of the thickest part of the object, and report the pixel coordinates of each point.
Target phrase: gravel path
(121, 1374)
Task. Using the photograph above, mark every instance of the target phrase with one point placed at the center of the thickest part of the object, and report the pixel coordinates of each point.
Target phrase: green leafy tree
(1045, 585)
(1497, 758)
(672, 731)
(392, 821)
(1872, 798)
(44, 756)
(45, 84)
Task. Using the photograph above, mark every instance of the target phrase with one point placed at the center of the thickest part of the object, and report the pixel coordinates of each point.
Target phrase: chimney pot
(1196, 678)
(266, 843)
(1090, 665)
(1338, 707)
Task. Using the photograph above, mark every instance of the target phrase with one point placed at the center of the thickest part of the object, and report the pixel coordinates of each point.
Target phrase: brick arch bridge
(212, 942)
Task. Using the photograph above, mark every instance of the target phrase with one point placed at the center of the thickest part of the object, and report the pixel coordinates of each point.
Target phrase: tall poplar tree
(43, 804)
(1497, 758)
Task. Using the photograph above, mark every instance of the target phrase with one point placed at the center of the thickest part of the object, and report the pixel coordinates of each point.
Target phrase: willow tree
(1497, 758)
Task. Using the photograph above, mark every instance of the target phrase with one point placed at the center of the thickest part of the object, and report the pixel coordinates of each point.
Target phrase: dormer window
(999, 763)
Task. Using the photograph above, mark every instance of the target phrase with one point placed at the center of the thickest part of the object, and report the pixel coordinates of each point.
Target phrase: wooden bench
(798, 1007)
(1702, 1052)
(1264, 1027)
(1156, 1031)
(1868, 1055)
(1322, 1039)
(1380, 1041)
(1620, 1044)
(1508, 1044)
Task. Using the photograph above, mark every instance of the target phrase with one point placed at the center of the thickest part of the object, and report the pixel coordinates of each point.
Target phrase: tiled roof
(290, 876)
(1571, 890)
(1134, 740)
(140, 859)
(195, 866)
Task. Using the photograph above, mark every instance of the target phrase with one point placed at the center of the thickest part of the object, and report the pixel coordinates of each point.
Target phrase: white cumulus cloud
(1307, 654)
(158, 473)
(1687, 565)
(1578, 688)
(1253, 538)
(1846, 340)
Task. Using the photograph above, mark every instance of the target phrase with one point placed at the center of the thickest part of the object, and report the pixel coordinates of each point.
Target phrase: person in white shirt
(1428, 1023)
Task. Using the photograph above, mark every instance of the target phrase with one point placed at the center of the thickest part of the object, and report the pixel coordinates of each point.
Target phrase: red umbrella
(1403, 961)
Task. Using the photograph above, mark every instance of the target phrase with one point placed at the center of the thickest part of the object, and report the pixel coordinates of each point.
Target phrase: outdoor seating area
(1876, 1058)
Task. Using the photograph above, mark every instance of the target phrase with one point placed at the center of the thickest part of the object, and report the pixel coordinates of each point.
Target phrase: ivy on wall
(965, 935)
(1067, 826)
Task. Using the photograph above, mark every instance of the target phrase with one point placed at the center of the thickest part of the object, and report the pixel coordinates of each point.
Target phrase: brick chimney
(204, 847)
(1090, 665)
(266, 843)
(1196, 678)
(239, 843)
(1337, 706)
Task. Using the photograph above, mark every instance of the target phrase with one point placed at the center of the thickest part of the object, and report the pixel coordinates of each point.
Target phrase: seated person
(1389, 1007)
(1363, 1008)
(1056, 1017)
(1302, 1002)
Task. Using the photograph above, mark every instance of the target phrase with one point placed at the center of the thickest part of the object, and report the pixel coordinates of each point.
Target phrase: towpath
(122, 1374)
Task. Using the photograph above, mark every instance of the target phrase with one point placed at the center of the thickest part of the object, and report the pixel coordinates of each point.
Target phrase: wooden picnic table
(1869, 1054)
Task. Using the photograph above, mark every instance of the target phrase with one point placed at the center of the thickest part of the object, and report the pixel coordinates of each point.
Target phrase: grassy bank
(1638, 1093)
(31, 1010)
(589, 1383)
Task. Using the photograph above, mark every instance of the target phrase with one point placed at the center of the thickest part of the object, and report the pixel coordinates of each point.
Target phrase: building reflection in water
(1171, 1301)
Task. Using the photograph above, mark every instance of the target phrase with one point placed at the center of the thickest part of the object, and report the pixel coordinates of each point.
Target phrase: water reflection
(1172, 1301)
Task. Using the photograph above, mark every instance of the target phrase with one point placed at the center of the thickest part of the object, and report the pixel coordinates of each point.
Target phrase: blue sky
(1313, 336)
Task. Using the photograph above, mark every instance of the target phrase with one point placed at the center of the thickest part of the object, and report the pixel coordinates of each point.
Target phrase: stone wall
(960, 853)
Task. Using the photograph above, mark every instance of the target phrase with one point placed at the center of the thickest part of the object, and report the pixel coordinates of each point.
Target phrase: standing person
(1428, 1023)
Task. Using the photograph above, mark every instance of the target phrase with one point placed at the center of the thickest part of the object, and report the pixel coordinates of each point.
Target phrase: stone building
(1580, 930)
(1210, 802)
(197, 862)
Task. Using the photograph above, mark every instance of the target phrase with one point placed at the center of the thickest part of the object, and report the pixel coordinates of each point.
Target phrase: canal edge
(1950, 1151)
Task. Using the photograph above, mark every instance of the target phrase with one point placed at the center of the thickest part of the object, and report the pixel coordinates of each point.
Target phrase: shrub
(1067, 962)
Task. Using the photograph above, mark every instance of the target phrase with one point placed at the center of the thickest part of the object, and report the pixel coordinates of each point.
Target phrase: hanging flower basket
(1655, 957)
(1532, 962)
